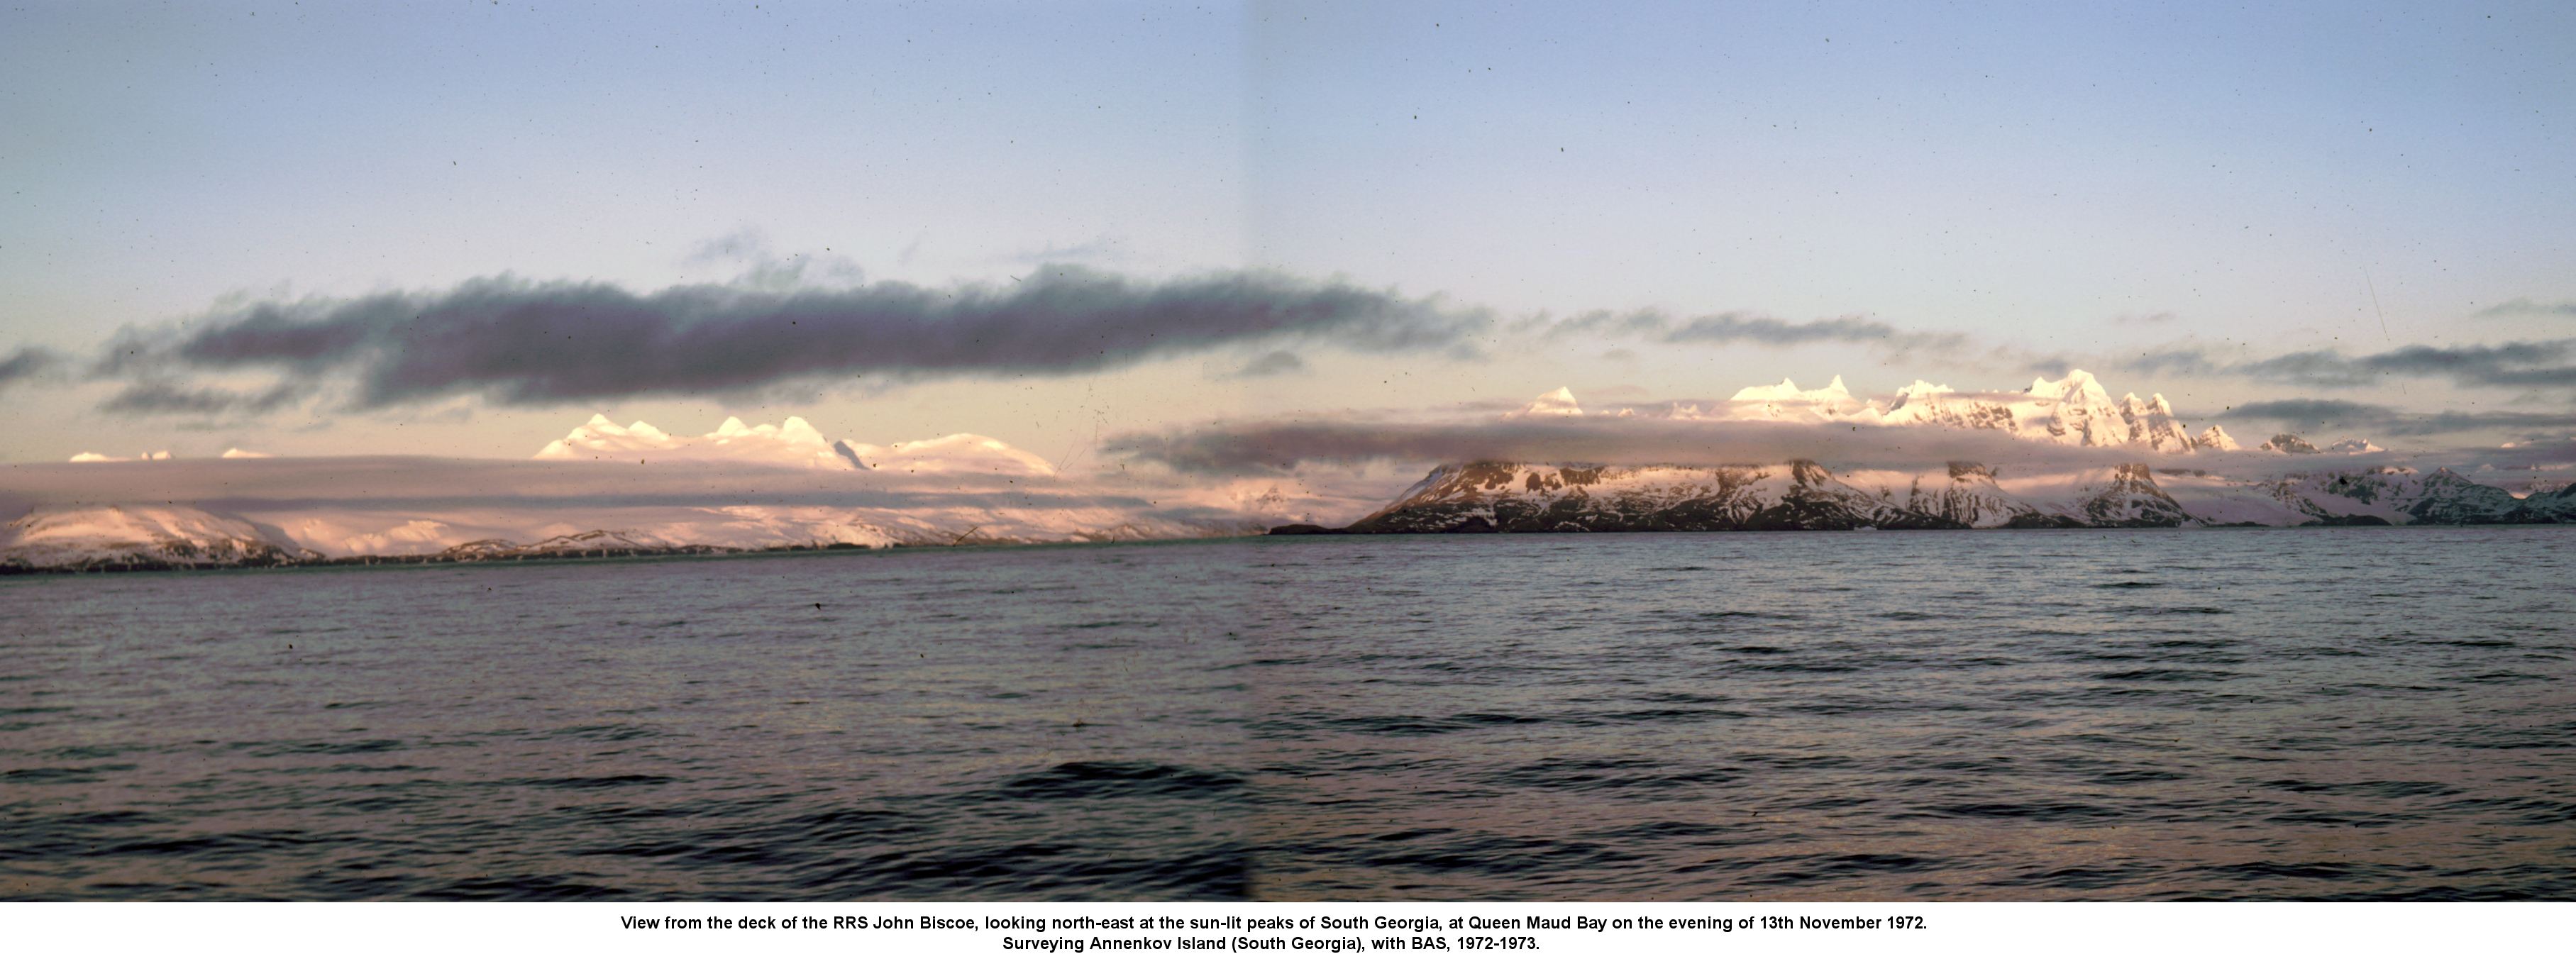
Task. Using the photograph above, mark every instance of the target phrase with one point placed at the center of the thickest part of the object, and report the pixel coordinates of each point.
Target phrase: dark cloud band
(2389, 421)
(2519, 365)
(1740, 327)
(26, 363)
(516, 342)
(166, 398)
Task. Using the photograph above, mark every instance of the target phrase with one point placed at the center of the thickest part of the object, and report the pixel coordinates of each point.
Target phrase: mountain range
(965, 489)
(2305, 486)
(601, 490)
(1539, 498)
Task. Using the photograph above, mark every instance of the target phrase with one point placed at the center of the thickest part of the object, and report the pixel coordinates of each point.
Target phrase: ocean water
(2315, 713)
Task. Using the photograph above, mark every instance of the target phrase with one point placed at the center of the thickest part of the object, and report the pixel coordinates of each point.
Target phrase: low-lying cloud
(1282, 446)
(1734, 327)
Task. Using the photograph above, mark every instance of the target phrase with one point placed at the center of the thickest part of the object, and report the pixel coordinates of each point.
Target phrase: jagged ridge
(1515, 497)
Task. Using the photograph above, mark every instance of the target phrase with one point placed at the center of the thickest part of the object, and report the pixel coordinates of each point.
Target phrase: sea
(2349, 713)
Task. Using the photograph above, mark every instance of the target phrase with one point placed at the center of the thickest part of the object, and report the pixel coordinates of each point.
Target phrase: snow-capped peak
(793, 442)
(1556, 402)
(2153, 404)
(796, 430)
(1787, 389)
(2287, 443)
(1785, 401)
(2077, 385)
(954, 453)
(2074, 410)
(796, 443)
(2216, 438)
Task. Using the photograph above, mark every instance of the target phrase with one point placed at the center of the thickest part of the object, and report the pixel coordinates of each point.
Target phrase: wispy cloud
(1273, 363)
(2523, 305)
(2312, 412)
(1733, 327)
(2513, 365)
(1097, 250)
(2389, 421)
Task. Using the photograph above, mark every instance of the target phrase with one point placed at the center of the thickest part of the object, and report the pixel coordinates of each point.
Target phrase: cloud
(1280, 446)
(2536, 454)
(2312, 412)
(1272, 363)
(1721, 329)
(516, 342)
(2523, 305)
(2389, 421)
(155, 398)
(2508, 364)
(2512, 365)
(28, 362)
(1098, 249)
(762, 268)
(749, 244)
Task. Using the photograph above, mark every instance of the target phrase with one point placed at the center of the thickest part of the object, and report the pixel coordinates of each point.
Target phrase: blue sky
(2086, 183)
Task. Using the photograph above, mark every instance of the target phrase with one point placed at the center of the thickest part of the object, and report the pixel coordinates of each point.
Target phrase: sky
(462, 228)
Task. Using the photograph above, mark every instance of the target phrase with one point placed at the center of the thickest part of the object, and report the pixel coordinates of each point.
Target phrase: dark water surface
(2085, 714)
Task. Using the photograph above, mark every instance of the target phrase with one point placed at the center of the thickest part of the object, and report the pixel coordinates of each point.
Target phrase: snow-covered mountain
(786, 487)
(81, 538)
(793, 443)
(2072, 410)
(113, 538)
(1524, 497)
(602, 490)
(954, 453)
(1557, 402)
